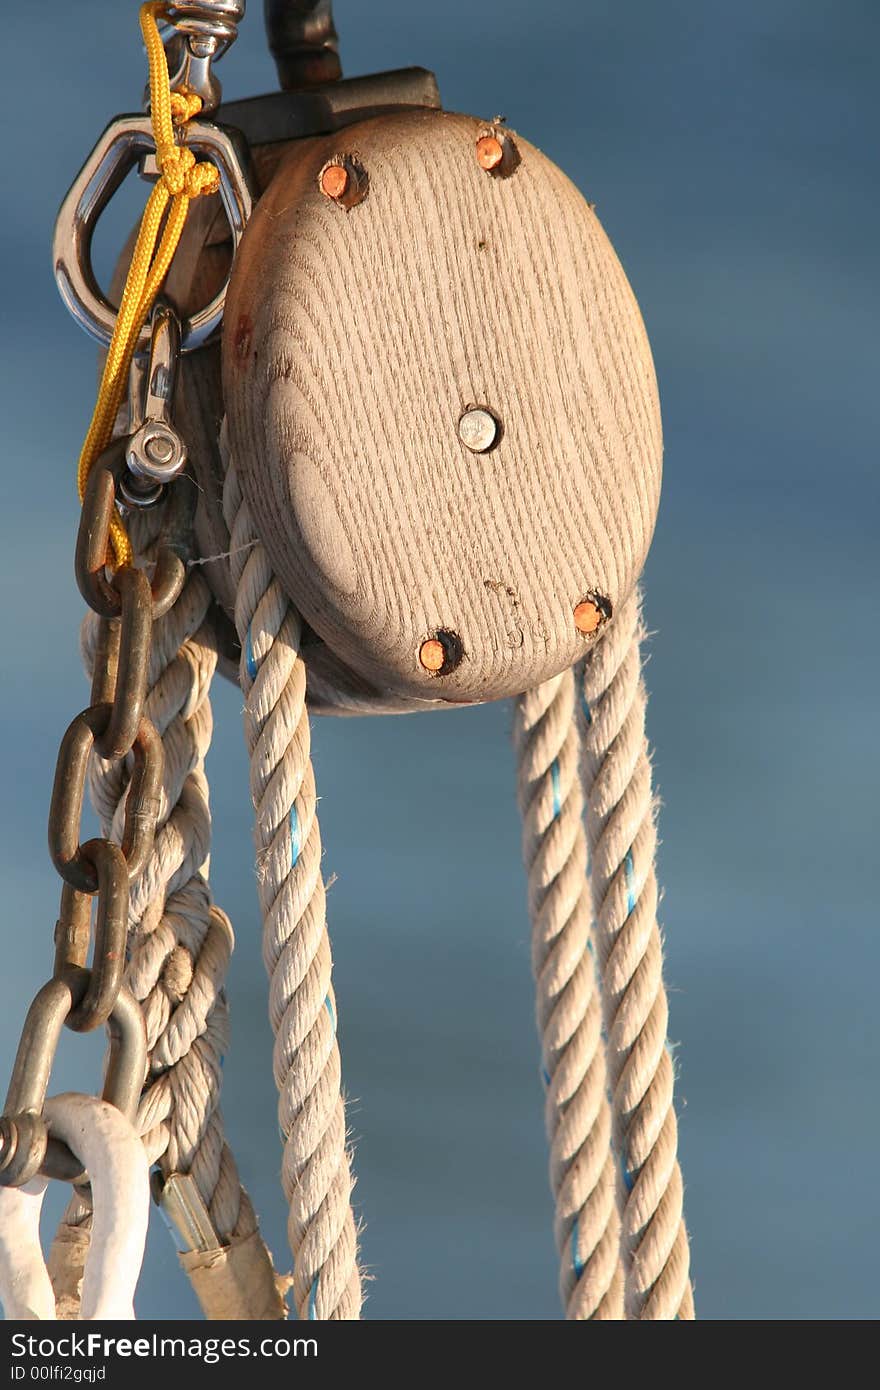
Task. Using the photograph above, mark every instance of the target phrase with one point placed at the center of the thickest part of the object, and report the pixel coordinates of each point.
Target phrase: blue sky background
(731, 150)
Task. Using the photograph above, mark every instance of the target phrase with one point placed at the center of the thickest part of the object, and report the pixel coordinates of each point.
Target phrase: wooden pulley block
(442, 405)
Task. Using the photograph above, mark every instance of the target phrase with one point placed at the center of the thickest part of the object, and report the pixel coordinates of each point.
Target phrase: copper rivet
(334, 180)
(490, 152)
(587, 616)
(432, 654)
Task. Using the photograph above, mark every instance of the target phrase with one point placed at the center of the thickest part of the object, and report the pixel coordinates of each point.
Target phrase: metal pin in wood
(441, 653)
(496, 152)
(343, 180)
(478, 429)
(590, 613)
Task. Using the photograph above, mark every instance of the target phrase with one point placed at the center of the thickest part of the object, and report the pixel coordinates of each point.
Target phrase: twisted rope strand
(316, 1173)
(179, 941)
(621, 832)
(578, 1119)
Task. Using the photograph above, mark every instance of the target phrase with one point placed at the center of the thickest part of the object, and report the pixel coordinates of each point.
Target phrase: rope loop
(182, 175)
(184, 105)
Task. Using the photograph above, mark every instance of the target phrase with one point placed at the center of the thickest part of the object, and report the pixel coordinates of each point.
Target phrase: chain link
(134, 470)
(114, 726)
(100, 592)
(26, 1148)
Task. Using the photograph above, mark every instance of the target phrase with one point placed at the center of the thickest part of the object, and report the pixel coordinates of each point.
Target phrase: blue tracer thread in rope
(313, 1299)
(329, 1007)
(249, 659)
(630, 871)
(628, 1179)
(588, 713)
(295, 841)
(576, 1260)
(545, 1076)
(557, 794)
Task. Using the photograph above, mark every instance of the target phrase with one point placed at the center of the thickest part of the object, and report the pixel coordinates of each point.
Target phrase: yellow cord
(181, 179)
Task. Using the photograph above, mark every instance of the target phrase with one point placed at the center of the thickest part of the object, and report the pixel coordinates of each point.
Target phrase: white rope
(622, 844)
(316, 1173)
(110, 1150)
(587, 1225)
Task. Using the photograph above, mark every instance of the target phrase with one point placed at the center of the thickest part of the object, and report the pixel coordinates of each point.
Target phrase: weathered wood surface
(199, 268)
(353, 342)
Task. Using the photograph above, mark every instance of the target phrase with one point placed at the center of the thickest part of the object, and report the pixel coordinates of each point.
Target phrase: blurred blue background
(731, 152)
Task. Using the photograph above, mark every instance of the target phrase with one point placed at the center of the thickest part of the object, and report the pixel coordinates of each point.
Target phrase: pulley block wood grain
(442, 403)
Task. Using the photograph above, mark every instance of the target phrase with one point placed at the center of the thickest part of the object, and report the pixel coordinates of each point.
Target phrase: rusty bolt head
(490, 152)
(333, 180)
(440, 654)
(589, 614)
(343, 180)
(432, 655)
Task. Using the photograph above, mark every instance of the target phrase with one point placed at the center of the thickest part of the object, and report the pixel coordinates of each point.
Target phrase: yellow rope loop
(202, 180)
(182, 180)
(184, 105)
(181, 173)
(174, 161)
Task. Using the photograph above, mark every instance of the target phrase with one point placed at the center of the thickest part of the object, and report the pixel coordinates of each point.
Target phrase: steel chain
(115, 727)
(135, 470)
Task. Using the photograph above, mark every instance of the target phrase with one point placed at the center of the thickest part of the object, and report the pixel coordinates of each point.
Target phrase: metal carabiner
(26, 1147)
(125, 141)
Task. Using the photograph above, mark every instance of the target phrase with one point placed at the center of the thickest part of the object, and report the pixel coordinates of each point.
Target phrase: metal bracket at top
(269, 120)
